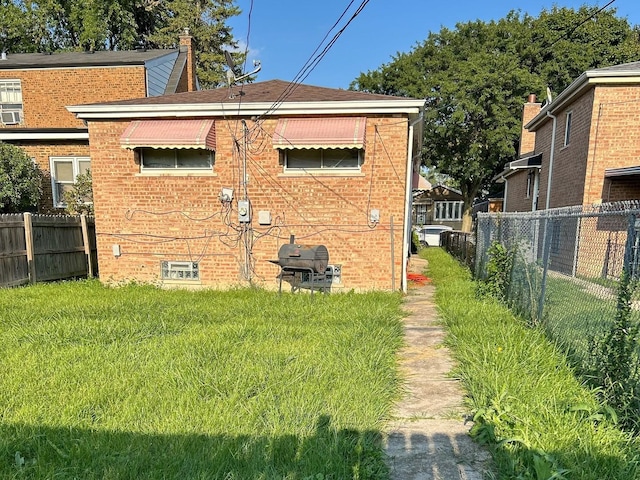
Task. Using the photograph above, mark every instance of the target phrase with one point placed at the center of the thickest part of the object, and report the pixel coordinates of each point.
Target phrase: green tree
(79, 198)
(476, 78)
(206, 21)
(56, 25)
(20, 180)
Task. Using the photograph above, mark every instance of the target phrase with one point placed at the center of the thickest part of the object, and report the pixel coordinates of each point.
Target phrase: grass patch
(137, 382)
(537, 418)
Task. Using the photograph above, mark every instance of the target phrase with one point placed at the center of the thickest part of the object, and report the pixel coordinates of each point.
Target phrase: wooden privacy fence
(38, 248)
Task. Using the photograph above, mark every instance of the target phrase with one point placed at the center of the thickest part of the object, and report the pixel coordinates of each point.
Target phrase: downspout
(506, 190)
(551, 155)
(407, 207)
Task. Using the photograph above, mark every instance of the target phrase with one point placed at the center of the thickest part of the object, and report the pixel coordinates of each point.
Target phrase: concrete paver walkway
(428, 438)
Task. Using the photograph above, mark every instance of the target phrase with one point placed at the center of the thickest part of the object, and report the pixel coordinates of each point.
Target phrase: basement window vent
(180, 271)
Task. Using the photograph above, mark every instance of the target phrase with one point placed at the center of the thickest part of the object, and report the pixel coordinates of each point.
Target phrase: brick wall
(517, 200)
(604, 134)
(155, 218)
(46, 92)
(570, 162)
(621, 188)
(527, 138)
(615, 136)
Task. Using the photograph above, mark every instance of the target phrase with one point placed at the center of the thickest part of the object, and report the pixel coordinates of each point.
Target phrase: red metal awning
(335, 132)
(198, 133)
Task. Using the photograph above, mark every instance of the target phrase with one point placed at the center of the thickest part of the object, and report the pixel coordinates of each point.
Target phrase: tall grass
(137, 382)
(537, 418)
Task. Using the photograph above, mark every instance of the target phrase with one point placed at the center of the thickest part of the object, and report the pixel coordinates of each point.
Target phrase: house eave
(19, 134)
(585, 81)
(400, 106)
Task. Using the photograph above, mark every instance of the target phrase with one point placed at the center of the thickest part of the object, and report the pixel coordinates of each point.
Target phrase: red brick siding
(570, 162)
(615, 138)
(621, 188)
(333, 211)
(46, 92)
(517, 200)
(527, 138)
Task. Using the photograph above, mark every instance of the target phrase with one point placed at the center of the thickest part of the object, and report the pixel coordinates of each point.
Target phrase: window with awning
(320, 133)
(318, 144)
(170, 134)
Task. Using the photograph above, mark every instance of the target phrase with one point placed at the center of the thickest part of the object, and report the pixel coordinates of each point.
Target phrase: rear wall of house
(615, 138)
(47, 91)
(570, 161)
(517, 200)
(155, 218)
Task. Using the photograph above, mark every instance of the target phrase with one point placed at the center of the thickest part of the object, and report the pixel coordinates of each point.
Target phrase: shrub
(20, 180)
(79, 198)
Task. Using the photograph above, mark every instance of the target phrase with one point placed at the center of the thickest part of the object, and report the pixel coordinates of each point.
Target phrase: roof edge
(97, 111)
(578, 86)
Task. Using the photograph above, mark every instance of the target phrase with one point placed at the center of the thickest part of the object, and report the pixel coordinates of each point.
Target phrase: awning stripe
(198, 133)
(335, 132)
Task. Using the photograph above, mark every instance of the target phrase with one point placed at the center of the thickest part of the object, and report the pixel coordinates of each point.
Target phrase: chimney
(186, 44)
(527, 138)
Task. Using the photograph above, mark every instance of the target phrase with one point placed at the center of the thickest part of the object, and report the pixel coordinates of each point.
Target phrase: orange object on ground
(418, 278)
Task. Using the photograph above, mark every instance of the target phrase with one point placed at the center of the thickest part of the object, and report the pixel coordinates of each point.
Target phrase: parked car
(429, 235)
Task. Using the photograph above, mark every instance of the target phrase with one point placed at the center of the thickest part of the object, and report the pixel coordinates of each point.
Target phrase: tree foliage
(476, 78)
(57, 25)
(79, 198)
(20, 180)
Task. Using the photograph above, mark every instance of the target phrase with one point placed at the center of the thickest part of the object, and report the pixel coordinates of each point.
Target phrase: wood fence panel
(14, 268)
(58, 246)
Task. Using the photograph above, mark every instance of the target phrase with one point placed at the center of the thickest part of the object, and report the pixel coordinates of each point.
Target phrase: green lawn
(538, 419)
(137, 382)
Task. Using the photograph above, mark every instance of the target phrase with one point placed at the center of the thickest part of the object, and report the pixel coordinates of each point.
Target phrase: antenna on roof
(231, 73)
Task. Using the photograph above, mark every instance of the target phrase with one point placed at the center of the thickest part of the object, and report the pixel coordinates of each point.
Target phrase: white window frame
(321, 167)
(11, 106)
(176, 168)
(57, 201)
(448, 210)
(567, 128)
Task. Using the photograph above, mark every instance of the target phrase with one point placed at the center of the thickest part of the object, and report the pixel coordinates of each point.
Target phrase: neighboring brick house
(439, 205)
(35, 88)
(203, 188)
(587, 151)
(596, 155)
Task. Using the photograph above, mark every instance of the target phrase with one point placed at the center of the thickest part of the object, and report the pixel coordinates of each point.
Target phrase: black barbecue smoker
(303, 266)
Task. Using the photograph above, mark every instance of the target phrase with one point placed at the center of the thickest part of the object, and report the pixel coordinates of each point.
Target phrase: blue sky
(284, 33)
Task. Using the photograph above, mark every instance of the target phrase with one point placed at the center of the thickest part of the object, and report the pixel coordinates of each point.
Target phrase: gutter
(226, 109)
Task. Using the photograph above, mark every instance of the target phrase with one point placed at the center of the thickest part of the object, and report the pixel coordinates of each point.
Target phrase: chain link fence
(566, 267)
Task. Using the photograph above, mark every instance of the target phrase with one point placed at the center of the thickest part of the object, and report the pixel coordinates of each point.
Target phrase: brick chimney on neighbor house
(186, 45)
(527, 138)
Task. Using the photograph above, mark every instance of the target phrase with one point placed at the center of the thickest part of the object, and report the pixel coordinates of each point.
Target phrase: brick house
(595, 129)
(35, 88)
(586, 150)
(204, 188)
